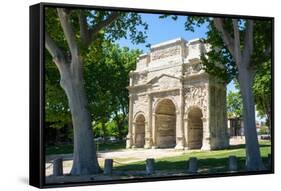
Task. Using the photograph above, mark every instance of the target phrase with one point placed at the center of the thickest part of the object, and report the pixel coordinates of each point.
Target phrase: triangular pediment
(162, 76)
(164, 81)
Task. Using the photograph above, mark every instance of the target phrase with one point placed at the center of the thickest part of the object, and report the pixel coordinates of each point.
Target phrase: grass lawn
(208, 161)
(67, 149)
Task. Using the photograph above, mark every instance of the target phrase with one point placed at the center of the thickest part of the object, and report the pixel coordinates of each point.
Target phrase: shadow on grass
(210, 165)
(242, 146)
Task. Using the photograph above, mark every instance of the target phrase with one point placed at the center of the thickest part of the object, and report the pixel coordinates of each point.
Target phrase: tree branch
(55, 51)
(68, 31)
(227, 39)
(84, 31)
(103, 24)
(249, 42)
(237, 49)
(267, 51)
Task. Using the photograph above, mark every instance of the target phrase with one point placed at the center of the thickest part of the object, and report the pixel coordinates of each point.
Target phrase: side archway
(139, 131)
(195, 128)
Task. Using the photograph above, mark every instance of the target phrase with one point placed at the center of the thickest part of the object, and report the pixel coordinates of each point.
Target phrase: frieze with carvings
(167, 52)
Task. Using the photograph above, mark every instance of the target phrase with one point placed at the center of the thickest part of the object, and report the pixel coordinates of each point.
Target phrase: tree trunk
(269, 118)
(119, 123)
(253, 157)
(103, 130)
(84, 153)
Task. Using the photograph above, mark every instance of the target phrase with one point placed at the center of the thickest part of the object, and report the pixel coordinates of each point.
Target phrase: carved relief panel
(196, 96)
(164, 53)
(140, 104)
(194, 68)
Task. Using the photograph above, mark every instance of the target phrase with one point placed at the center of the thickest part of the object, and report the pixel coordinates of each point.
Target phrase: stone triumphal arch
(174, 103)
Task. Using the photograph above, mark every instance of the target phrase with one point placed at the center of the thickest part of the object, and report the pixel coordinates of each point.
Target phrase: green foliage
(57, 112)
(263, 130)
(262, 90)
(106, 81)
(219, 62)
(234, 104)
(106, 66)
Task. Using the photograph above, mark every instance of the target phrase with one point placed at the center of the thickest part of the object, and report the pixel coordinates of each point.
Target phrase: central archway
(195, 128)
(165, 124)
(140, 131)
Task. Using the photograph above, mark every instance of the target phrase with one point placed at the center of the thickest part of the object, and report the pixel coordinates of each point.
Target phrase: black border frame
(37, 96)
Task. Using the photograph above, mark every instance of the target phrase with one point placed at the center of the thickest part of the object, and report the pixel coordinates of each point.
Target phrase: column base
(147, 146)
(206, 147)
(128, 142)
(206, 144)
(154, 147)
(179, 147)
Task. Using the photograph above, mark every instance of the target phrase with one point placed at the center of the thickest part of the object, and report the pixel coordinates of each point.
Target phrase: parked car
(265, 137)
(112, 139)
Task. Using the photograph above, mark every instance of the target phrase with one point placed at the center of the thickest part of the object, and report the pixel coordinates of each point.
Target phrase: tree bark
(84, 153)
(253, 157)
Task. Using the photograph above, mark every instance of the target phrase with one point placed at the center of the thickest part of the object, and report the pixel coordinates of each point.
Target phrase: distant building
(235, 126)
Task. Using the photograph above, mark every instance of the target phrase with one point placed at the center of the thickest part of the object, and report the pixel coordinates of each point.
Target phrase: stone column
(186, 132)
(179, 126)
(133, 139)
(130, 125)
(206, 134)
(148, 125)
(154, 132)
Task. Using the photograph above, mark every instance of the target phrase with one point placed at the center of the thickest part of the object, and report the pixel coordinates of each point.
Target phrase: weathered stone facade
(174, 102)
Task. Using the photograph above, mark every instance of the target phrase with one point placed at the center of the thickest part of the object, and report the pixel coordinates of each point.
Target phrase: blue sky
(160, 30)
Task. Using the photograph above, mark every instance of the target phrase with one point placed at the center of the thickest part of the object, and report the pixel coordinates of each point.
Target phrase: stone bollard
(232, 165)
(149, 166)
(192, 165)
(269, 161)
(108, 164)
(58, 167)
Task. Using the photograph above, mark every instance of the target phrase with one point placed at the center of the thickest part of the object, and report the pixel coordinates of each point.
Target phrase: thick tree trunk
(253, 157)
(84, 154)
